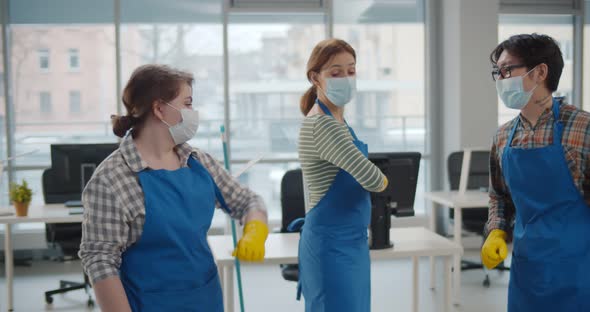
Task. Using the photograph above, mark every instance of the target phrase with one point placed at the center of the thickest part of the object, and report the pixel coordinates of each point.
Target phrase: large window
(188, 37)
(389, 110)
(3, 145)
(560, 28)
(64, 70)
(43, 98)
(268, 58)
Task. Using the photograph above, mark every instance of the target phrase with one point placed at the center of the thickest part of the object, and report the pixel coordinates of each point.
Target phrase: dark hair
(321, 54)
(147, 84)
(534, 49)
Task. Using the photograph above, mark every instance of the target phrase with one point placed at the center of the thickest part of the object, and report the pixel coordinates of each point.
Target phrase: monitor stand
(380, 225)
(86, 171)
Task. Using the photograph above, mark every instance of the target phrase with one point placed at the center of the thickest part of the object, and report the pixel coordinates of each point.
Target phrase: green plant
(20, 193)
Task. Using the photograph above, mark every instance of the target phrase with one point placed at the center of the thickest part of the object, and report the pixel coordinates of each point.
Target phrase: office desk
(452, 199)
(57, 213)
(282, 248)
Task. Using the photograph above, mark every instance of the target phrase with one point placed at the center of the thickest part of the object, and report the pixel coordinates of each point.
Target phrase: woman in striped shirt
(333, 252)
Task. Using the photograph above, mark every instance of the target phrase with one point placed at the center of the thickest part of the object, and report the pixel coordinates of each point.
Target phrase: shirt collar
(134, 161)
(545, 117)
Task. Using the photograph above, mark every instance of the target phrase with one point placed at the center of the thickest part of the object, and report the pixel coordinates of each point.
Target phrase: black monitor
(402, 171)
(72, 165)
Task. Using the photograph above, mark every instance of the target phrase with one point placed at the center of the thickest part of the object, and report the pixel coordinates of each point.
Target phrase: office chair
(66, 236)
(474, 219)
(293, 207)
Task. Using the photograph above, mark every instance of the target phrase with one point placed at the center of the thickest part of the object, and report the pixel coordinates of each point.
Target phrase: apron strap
(557, 125)
(297, 226)
(192, 162)
(220, 198)
(329, 113)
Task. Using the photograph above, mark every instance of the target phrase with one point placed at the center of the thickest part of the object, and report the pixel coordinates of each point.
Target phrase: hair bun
(122, 124)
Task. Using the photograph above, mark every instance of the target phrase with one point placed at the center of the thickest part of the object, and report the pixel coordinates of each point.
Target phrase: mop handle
(233, 224)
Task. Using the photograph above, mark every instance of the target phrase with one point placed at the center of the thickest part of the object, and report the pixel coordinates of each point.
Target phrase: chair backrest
(474, 218)
(479, 172)
(66, 235)
(292, 197)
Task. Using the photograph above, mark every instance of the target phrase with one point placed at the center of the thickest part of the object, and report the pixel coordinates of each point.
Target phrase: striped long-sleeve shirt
(576, 145)
(325, 147)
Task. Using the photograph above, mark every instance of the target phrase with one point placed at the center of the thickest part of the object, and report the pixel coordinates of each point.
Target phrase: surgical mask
(186, 128)
(340, 90)
(511, 91)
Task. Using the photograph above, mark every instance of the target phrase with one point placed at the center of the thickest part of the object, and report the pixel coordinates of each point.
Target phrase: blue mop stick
(233, 223)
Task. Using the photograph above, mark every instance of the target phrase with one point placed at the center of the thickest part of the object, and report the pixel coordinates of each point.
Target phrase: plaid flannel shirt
(576, 145)
(114, 209)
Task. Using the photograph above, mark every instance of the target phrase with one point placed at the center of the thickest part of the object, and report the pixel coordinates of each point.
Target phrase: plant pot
(21, 209)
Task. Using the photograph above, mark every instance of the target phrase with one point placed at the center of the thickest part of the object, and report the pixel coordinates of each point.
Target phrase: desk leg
(447, 288)
(229, 288)
(457, 260)
(415, 292)
(221, 273)
(432, 262)
(8, 259)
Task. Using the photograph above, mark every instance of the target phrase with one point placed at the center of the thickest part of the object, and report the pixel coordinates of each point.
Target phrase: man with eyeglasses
(540, 182)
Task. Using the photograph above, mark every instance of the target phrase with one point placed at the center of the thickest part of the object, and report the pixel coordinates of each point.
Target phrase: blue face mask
(340, 90)
(511, 91)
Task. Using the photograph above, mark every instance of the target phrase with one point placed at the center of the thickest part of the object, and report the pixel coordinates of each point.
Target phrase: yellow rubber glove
(494, 250)
(251, 246)
(385, 184)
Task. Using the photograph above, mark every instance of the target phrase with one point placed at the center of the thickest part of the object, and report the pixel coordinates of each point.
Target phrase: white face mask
(511, 91)
(186, 128)
(340, 91)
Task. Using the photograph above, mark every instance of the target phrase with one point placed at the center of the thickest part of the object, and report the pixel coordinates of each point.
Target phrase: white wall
(470, 111)
(462, 95)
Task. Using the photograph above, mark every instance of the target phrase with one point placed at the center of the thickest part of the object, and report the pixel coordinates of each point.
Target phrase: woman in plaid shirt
(540, 186)
(149, 205)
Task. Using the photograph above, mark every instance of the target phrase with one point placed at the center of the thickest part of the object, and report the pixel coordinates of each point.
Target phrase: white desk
(452, 199)
(283, 248)
(46, 214)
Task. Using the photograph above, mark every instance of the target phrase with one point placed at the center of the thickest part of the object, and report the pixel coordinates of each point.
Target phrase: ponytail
(308, 100)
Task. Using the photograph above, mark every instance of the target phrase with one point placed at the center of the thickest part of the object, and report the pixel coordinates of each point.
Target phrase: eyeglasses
(505, 71)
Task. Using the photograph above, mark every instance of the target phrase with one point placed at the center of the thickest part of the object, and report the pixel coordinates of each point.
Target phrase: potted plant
(20, 195)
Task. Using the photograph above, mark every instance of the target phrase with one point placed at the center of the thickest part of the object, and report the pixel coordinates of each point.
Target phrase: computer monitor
(398, 198)
(72, 165)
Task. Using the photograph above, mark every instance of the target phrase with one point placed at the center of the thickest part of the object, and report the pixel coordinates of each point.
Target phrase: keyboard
(73, 203)
(76, 210)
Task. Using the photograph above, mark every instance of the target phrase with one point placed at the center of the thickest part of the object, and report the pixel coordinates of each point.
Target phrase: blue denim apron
(171, 267)
(550, 268)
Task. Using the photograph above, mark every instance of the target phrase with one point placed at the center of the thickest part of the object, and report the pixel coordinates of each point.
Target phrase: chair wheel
(90, 303)
(486, 282)
(49, 299)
